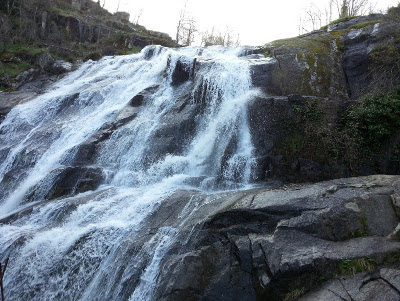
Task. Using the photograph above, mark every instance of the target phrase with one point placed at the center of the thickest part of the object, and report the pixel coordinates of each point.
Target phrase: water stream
(97, 244)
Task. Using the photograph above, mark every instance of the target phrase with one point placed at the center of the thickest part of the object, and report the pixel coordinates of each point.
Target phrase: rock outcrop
(69, 29)
(342, 61)
(337, 240)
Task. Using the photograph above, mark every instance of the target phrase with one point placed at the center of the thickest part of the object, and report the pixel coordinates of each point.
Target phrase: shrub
(375, 120)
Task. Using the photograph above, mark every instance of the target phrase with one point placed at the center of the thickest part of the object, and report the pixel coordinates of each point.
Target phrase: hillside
(332, 105)
(68, 30)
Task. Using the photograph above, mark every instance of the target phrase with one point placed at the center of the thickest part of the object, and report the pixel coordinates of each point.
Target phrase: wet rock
(60, 67)
(139, 99)
(8, 100)
(73, 180)
(183, 71)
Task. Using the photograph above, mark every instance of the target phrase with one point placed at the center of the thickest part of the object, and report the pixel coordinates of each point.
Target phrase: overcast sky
(256, 21)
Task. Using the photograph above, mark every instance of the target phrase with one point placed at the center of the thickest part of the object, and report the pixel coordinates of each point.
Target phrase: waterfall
(155, 129)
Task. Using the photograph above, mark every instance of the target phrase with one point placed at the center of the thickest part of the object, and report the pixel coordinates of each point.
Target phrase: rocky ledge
(334, 240)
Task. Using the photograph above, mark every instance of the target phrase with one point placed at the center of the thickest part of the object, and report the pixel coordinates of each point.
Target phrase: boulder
(183, 71)
(73, 180)
(60, 67)
(45, 60)
(27, 76)
(279, 244)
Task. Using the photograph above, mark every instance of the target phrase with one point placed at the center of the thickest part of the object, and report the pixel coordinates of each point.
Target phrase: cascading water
(96, 243)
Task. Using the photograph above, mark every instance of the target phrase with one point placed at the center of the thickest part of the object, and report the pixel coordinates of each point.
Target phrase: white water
(69, 249)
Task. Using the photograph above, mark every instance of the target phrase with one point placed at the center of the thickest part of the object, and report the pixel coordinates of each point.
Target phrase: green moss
(133, 50)
(364, 24)
(20, 50)
(84, 188)
(392, 258)
(59, 192)
(360, 265)
(342, 20)
(12, 69)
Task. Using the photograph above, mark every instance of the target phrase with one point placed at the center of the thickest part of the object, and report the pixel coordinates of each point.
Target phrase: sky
(256, 21)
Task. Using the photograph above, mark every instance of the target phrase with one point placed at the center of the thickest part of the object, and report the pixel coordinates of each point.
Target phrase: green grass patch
(342, 20)
(12, 69)
(19, 50)
(364, 24)
(133, 50)
(359, 265)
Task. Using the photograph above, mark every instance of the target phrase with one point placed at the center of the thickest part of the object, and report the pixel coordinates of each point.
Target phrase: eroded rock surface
(278, 244)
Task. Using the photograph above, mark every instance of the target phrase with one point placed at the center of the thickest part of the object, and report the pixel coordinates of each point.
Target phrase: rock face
(279, 244)
(340, 62)
(332, 69)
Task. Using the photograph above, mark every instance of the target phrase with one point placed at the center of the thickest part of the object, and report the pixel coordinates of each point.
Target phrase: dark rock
(137, 100)
(273, 244)
(45, 60)
(183, 71)
(27, 76)
(263, 73)
(94, 56)
(60, 67)
(178, 128)
(72, 180)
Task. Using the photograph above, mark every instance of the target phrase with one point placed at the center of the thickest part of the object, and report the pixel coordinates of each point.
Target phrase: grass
(19, 49)
(392, 258)
(342, 20)
(13, 69)
(359, 265)
(364, 231)
(364, 24)
(293, 295)
(134, 50)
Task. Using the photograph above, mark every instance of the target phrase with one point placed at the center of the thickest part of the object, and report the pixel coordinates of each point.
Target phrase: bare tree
(137, 16)
(225, 38)
(181, 20)
(186, 28)
(314, 16)
(351, 8)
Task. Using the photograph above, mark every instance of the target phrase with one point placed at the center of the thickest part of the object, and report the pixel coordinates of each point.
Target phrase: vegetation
(392, 258)
(384, 67)
(375, 120)
(364, 231)
(31, 27)
(362, 133)
(364, 24)
(295, 294)
(343, 19)
(360, 265)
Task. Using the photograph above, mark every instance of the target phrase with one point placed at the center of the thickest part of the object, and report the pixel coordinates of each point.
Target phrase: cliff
(35, 33)
(330, 107)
